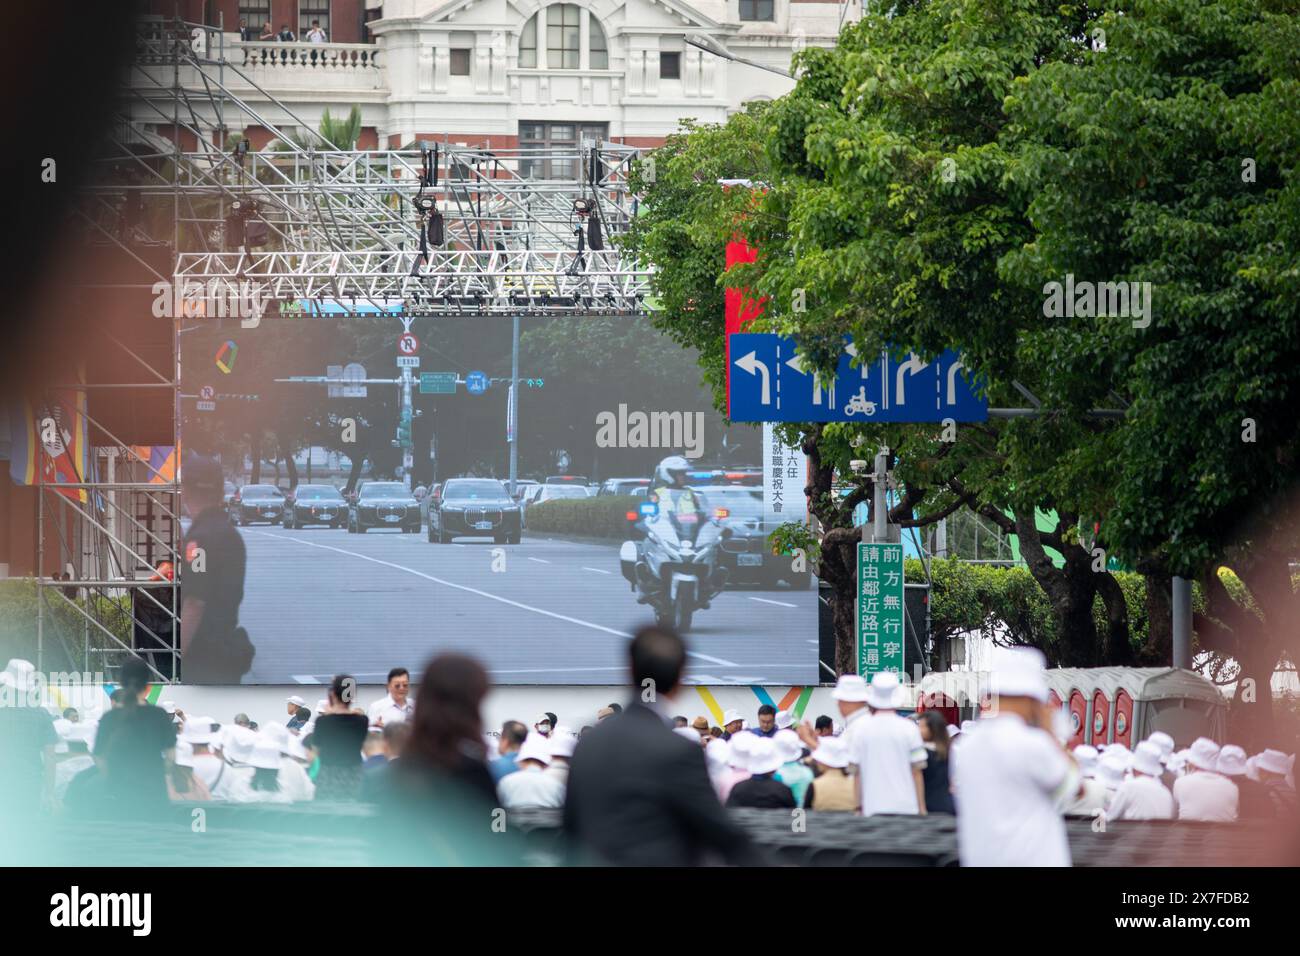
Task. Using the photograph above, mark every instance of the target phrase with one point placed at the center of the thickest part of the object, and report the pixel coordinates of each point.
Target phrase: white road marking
(305, 679)
(597, 570)
(470, 590)
(778, 603)
(539, 560)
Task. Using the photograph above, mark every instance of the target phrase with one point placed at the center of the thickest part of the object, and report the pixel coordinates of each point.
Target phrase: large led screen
(380, 526)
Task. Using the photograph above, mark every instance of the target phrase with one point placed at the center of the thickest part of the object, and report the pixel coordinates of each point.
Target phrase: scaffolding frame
(347, 232)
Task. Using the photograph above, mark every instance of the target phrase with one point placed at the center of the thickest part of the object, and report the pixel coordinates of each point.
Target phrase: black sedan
(315, 504)
(384, 504)
(746, 554)
(253, 503)
(474, 507)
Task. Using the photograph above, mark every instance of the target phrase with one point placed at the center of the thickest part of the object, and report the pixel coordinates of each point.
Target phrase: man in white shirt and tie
(396, 706)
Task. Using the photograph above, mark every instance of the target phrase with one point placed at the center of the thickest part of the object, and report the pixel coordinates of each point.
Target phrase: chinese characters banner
(785, 473)
(880, 608)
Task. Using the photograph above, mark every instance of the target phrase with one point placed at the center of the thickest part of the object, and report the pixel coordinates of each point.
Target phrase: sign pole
(512, 413)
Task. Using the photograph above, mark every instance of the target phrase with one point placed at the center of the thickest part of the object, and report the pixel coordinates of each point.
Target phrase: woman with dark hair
(938, 787)
(438, 803)
(337, 738)
(447, 729)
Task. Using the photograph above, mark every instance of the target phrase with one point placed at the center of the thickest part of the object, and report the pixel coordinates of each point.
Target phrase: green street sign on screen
(437, 383)
(879, 615)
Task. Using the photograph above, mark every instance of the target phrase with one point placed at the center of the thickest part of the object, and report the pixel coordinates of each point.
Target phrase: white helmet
(672, 470)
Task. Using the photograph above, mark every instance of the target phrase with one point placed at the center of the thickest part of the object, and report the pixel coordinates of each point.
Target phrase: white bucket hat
(1110, 770)
(832, 752)
(265, 754)
(1177, 762)
(730, 717)
(564, 741)
(1019, 672)
(1086, 757)
(763, 756)
(1274, 761)
(884, 692)
(1232, 761)
(1164, 742)
(184, 753)
(784, 719)
(717, 754)
(953, 731)
(1146, 759)
(850, 688)
(200, 730)
(1204, 754)
(741, 747)
(788, 745)
(535, 747)
(238, 743)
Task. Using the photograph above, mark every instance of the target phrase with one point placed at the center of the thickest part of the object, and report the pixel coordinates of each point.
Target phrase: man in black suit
(639, 794)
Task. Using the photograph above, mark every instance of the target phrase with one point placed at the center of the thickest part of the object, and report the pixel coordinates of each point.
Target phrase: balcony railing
(273, 55)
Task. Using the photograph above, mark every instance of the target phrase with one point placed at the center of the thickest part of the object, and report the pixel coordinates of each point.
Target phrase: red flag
(740, 309)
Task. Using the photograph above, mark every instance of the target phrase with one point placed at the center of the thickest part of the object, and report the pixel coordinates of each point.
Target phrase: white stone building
(505, 72)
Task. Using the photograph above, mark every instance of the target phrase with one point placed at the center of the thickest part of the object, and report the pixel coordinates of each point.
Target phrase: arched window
(528, 44)
(560, 46)
(599, 48)
(563, 46)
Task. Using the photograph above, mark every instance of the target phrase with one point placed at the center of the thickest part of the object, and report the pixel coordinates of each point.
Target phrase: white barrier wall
(573, 705)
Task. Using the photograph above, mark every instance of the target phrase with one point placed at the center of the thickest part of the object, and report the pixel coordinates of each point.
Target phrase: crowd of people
(641, 783)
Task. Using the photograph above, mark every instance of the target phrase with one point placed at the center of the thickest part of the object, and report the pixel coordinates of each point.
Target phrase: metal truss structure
(341, 231)
(349, 224)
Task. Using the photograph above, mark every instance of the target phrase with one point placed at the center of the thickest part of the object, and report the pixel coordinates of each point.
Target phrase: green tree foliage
(921, 185)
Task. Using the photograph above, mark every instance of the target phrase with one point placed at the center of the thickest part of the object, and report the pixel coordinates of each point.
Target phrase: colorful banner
(51, 436)
(160, 460)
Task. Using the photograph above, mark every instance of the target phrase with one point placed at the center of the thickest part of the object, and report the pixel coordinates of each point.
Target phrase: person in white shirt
(1142, 796)
(1112, 770)
(315, 34)
(265, 786)
(294, 780)
(200, 733)
(78, 738)
(235, 781)
(1205, 794)
(396, 705)
(563, 742)
(1012, 774)
(889, 753)
(850, 695)
(1091, 800)
(530, 785)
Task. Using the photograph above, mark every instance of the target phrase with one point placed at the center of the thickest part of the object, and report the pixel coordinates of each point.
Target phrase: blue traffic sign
(769, 383)
(476, 383)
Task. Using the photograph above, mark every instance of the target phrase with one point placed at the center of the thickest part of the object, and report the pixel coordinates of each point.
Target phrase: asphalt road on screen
(319, 601)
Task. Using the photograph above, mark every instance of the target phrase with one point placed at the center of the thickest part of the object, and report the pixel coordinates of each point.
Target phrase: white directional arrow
(952, 381)
(796, 363)
(753, 366)
(910, 367)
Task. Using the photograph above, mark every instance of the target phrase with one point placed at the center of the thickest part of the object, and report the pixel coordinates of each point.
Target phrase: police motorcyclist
(669, 490)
